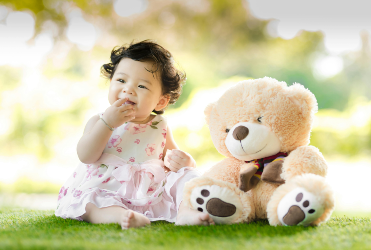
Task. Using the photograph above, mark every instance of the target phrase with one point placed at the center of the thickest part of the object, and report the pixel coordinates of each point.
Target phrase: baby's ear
(207, 112)
(305, 99)
(163, 102)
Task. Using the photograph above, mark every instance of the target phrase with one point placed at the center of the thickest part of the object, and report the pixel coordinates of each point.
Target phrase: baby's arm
(177, 158)
(96, 133)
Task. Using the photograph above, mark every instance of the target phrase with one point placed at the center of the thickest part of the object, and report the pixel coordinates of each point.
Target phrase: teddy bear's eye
(260, 119)
(227, 130)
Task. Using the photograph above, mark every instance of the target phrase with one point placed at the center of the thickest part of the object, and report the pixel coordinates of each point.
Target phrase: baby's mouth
(130, 102)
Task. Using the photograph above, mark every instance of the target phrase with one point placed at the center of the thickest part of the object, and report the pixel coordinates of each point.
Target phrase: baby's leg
(114, 214)
(187, 216)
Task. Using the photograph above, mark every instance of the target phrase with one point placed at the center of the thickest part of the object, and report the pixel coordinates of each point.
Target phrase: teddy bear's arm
(226, 170)
(304, 159)
(272, 172)
(248, 180)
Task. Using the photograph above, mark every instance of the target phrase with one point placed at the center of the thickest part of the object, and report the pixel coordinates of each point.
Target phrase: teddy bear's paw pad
(221, 203)
(299, 207)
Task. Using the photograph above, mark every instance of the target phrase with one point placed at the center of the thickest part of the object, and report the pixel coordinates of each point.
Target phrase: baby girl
(122, 177)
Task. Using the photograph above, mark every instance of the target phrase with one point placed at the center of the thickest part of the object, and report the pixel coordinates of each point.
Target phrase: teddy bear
(262, 127)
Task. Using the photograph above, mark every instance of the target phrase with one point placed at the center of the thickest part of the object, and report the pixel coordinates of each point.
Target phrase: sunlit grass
(352, 214)
(30, 229)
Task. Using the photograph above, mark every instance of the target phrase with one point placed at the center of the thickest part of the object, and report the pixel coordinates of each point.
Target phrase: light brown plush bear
(263, 127)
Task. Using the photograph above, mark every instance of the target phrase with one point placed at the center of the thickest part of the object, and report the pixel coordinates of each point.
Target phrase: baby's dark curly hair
(172, 79)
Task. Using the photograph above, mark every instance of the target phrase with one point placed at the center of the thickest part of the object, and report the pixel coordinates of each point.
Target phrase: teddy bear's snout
(240, 133)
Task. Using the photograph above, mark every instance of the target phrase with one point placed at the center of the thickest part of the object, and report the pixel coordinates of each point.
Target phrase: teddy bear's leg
(305, 200)
(304, 159)
(223, 201)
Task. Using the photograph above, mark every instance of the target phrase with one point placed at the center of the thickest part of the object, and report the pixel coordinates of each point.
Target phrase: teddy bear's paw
(221, 203)
(299, 207)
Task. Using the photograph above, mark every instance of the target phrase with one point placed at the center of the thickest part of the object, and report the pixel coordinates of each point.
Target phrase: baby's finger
(131, 117)
(179, 153)
(128, 112)
(124, 107)
(174, 166)
(119, 102)
(176, 158)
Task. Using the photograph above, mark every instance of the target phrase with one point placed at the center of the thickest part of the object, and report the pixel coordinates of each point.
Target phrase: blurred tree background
(51, 53)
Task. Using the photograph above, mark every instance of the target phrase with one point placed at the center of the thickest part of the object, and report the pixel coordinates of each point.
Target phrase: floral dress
(130, 174)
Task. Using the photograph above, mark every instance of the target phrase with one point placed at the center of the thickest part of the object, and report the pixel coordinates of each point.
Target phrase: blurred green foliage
(36, 133)
(204, 152)
(344, 145)
(352, 139)
(350, 144)
(222, 41)
(29, 186)
(9, 78)
(211, 45)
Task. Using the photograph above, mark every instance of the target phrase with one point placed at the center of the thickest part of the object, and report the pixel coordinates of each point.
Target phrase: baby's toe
(211, 222)
(205, 223)
(130, 215)
(205, 219)
(125, 225)
(204, 216)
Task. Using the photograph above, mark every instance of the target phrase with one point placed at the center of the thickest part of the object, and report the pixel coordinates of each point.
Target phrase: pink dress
(130, 174)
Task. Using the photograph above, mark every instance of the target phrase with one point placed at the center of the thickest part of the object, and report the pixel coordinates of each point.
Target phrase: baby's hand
(119, 113)
(176, 159)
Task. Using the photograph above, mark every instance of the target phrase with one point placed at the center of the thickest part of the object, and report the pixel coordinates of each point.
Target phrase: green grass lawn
(31, 229)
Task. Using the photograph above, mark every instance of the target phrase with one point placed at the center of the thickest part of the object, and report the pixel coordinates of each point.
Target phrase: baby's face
(132, 80)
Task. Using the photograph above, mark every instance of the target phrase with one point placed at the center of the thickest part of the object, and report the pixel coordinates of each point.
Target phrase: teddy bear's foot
(304, 200)
(299, 207)
(220, 203)
(223, 201)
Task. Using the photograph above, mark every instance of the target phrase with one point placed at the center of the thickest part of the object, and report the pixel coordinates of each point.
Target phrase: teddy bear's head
(259, 118)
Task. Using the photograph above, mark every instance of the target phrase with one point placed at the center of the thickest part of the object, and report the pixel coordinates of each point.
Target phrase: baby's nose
(127, 91)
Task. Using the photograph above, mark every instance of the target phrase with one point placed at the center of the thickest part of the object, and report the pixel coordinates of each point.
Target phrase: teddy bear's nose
(240, 133)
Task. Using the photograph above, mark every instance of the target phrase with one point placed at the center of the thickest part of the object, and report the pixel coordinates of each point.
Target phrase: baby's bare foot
(133, 219)
(192, 217)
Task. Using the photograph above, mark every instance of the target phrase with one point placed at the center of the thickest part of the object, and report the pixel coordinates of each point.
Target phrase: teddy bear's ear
(207, 111)
(303, 98)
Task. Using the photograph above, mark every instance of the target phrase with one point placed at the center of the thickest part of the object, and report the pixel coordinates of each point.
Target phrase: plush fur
(288, 112)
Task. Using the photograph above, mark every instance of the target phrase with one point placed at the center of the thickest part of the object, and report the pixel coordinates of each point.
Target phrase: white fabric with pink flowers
(130, 174)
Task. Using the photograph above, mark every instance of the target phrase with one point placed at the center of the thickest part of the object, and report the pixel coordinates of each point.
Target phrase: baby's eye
(260, 119)
(227, 130)
(121, 80)
(142, 87)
